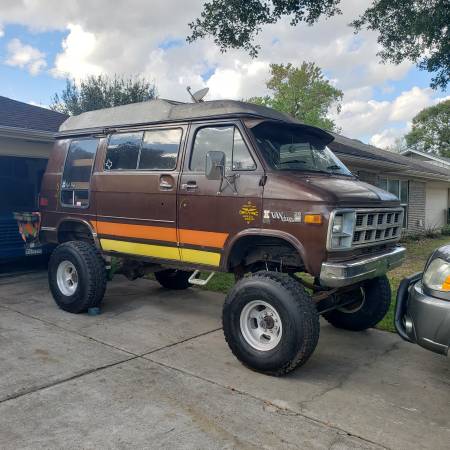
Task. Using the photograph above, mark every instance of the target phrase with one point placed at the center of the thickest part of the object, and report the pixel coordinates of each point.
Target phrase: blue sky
(40, 45)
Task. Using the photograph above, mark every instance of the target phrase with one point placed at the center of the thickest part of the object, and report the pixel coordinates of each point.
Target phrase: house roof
(354, 148)
(15, 114)
(166, 110)
(430, 156)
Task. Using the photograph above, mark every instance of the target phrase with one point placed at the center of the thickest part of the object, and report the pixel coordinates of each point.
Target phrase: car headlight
(338, 223)
(437, 275)
(342, 227)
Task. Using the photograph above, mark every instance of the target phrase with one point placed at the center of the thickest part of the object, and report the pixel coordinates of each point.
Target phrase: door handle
(166, 183)
(189, 186)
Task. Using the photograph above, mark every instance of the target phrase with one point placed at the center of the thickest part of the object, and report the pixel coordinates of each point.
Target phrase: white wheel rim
(261, 325)
(67, 278)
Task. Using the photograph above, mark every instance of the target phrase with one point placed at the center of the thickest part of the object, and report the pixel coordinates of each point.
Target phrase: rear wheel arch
(76, 230)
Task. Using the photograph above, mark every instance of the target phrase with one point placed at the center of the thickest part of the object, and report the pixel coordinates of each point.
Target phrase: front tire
(270, 323)
(173, 279)
(77, 276)
(372, 302)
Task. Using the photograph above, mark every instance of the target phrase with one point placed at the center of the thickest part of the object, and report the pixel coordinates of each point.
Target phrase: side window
(77, 172)
(160, 149)
(123, 151)
(242, 160)
(225, 139)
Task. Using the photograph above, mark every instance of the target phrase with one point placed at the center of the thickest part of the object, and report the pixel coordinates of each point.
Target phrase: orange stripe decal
(193, 237)
(203, 238)
(137, 231)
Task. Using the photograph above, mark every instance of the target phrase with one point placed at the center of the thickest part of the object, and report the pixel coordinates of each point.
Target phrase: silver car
(422, 312)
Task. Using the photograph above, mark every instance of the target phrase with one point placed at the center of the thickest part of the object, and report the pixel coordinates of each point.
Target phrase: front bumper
(339, 274)
(422, 319)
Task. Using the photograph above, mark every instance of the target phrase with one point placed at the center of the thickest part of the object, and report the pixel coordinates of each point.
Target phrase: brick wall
(416, 209)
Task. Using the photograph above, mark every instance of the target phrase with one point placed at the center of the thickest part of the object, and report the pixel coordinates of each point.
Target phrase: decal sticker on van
(249, 212)
(295, 216)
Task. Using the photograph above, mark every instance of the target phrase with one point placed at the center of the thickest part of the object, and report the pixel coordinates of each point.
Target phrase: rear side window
(160, 149)
(77, 172)
(226, 139)
(123, 151)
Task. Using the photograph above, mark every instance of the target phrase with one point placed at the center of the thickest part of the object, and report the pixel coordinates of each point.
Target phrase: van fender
(84, 222)
(262, 232)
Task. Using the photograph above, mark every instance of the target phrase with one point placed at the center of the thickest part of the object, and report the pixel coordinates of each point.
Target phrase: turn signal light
(446, 284)
(315, 219)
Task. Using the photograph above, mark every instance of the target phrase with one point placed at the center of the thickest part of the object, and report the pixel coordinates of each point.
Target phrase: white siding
(19, 147)
(436, 204)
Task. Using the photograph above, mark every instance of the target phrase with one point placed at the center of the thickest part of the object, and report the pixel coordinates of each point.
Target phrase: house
(26, 139)
(422, 187)
(430, 158)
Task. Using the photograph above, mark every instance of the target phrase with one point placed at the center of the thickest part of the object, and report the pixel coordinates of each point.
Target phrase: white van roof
(165, 111)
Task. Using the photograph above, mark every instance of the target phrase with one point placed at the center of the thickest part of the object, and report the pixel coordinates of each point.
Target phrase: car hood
(335, 190)
(351, 191)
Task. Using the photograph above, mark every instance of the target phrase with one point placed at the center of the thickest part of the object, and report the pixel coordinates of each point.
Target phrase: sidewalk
(153, 371)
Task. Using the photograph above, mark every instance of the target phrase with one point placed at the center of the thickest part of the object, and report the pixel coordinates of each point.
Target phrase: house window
(77, 172)
(400, 188)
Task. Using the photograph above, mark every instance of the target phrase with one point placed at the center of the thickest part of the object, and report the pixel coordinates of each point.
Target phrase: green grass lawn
(417, 254)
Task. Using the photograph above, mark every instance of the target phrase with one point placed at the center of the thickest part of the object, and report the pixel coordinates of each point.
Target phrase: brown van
(174, 189)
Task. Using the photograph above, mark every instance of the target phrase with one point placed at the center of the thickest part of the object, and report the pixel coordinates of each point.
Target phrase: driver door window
(227, 139)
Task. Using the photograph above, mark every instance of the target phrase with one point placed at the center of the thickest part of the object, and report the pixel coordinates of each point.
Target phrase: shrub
(445, 230)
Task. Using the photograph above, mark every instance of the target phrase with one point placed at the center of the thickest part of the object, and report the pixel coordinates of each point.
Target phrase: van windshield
(286, 147)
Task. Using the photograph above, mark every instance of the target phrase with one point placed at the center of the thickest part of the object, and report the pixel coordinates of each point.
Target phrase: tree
(431, 130)
(398, 146)
(96, 92)
(301, 92)
(412, 30)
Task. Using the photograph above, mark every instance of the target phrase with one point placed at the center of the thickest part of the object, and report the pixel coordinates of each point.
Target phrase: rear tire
(270, 323)
(173, 279)
(77, 276)
(372, 302)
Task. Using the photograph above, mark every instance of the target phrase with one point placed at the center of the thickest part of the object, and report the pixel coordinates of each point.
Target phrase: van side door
(136, 192)
(211, 212)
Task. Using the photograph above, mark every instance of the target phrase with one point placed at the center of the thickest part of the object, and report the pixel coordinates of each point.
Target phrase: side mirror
(215, 165)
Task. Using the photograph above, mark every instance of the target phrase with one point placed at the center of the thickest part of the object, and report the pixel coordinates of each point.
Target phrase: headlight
(437, 275)
(342, 227)
(337, 224)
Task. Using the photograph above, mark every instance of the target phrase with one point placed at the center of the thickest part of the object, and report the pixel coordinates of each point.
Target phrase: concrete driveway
(153, 371)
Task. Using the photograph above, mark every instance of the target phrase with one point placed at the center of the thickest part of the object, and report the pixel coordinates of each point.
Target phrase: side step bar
(195, 278)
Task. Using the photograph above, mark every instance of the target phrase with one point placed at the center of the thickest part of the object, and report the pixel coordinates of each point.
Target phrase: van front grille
(374, 226)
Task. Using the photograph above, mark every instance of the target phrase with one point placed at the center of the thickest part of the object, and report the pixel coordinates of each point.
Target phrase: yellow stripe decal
(161, 251)
(200, 257)
(135, 248)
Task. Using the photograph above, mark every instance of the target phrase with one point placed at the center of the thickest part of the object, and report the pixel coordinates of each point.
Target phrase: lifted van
(174, 189)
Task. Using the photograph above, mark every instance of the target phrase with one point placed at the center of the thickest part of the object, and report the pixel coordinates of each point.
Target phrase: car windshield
(286, 147)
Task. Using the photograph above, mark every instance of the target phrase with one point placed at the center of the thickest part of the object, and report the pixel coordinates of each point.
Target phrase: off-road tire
(377, 299)
(298, 314)
(91, 272)
(173, 279)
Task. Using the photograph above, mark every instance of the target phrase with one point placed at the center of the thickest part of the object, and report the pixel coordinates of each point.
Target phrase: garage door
(436, 207)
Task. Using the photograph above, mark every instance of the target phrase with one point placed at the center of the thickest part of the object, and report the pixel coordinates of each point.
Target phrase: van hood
(351, 192)
(335, 190)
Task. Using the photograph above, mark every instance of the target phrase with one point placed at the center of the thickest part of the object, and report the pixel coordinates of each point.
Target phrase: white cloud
(128, 39)
(25, 57)
(389, 137)
(78, 47)
(2, 33)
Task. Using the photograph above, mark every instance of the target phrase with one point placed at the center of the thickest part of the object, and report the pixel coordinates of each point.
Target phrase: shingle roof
(23, 115)
(353, 147)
